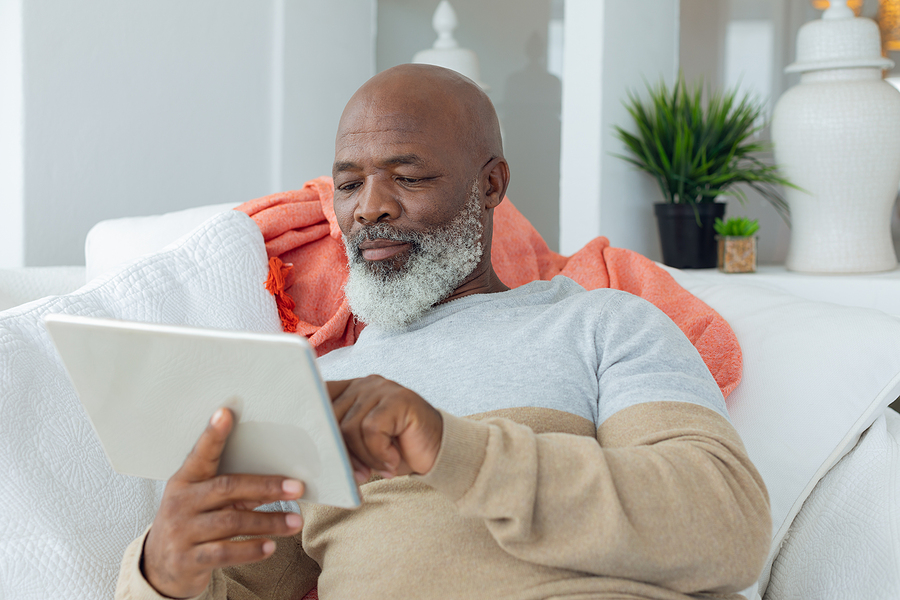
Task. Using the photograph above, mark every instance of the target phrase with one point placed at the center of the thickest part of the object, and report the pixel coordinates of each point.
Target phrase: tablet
(150, 391)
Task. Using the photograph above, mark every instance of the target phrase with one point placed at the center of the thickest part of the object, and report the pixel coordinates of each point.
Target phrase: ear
(495, 180)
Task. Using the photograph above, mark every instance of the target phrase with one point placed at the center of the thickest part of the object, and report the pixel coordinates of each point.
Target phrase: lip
(382, 249)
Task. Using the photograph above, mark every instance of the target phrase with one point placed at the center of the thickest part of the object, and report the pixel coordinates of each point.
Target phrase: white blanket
(65, 516)
(845, 543)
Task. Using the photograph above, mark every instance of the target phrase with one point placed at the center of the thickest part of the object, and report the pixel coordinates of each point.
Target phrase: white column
(12, 220)
(611, 47)
(582, 112)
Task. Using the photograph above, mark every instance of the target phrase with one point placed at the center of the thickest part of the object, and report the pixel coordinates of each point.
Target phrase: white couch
(811, 408)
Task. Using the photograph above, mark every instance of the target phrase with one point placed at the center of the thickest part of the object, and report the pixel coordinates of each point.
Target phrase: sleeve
(665, 495)
(288, 573)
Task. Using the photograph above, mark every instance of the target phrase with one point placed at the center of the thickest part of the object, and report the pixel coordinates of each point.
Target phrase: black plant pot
(685, 245)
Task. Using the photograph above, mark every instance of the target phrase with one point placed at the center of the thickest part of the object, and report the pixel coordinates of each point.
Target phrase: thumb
(203, 461)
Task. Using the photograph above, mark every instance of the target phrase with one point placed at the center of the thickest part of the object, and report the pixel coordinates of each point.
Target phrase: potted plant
(698, 151)
(736, 244)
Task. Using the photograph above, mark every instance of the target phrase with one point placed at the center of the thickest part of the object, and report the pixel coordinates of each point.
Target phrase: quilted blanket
(66, 516)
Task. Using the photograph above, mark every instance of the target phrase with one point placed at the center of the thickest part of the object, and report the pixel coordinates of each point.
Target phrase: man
(597, 459)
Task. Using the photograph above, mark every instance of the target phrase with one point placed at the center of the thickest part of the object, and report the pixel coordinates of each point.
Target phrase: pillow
(66, 517)
(112, 243)
(857, 505)
(816, 375)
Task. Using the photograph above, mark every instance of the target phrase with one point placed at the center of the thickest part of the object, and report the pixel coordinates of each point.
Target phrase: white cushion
(816, 375)
(66, 517)
(112, 243)
(845, 542)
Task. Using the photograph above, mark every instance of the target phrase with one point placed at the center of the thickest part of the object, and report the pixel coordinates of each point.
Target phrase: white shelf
(868, 290)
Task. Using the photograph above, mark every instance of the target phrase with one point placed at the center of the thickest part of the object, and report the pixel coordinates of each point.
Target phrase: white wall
(143, 107)
(12, 241)
(611, 47)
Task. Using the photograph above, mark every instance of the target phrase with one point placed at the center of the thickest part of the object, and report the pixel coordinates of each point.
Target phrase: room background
(111, 109)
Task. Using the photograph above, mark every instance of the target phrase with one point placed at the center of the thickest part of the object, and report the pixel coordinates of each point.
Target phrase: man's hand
(389, 429)
(200, 513)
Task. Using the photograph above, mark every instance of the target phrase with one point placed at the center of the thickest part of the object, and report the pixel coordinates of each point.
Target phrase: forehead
(373, 128)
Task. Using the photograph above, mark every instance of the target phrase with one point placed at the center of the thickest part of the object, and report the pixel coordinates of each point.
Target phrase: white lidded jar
(837, 136)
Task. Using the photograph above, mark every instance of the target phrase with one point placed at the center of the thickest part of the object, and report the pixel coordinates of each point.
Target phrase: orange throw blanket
(300, 229)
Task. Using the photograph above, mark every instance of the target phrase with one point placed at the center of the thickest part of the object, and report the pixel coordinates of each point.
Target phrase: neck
(482, 281)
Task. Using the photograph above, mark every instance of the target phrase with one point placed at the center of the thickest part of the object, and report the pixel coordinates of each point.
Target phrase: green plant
(736, 227)
(697, 154)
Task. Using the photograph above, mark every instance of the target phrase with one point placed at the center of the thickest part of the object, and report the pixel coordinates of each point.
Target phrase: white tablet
(150, 390)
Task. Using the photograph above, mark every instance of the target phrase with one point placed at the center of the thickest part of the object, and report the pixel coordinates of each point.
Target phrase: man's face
(411, 218)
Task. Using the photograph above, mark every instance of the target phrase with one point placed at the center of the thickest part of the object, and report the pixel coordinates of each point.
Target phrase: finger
(248, 505)
(225, 490)
(214, 555)
(361, 473)
(380, 428)
(355, 437)
(203, 460)
(344, 403)
(359, 394)
(354, 404)
(226, 524)
(336, 388)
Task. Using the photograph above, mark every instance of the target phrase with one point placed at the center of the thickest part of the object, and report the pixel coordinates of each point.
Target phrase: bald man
(542, 442)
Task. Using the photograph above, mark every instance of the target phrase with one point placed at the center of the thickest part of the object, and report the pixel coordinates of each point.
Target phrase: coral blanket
(299, 228)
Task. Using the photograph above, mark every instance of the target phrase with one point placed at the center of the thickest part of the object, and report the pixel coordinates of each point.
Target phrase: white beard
(439, 261)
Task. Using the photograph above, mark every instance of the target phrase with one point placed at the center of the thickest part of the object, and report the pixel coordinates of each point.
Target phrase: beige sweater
(525, 503)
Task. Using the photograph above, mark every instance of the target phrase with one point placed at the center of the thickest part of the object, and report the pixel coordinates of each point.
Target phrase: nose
(376, 203)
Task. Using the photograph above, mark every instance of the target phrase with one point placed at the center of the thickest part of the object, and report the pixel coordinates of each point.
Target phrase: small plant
(736, 227)
(698, 153)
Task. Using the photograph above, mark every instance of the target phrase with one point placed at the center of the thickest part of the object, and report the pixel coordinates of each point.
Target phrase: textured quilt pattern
(66, 516)
(845, 543)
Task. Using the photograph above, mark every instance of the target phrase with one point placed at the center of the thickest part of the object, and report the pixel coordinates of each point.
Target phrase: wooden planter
(737, 254)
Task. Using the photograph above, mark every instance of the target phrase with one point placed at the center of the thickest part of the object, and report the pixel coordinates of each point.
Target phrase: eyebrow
(405, 159)
(402, 159)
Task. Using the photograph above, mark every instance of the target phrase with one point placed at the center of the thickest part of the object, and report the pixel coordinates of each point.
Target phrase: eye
(408, 180)
(349, 186)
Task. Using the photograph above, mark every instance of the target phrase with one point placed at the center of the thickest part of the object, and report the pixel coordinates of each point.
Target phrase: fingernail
(268, 547)
(218, 416)
(291, 486)
(293, 520)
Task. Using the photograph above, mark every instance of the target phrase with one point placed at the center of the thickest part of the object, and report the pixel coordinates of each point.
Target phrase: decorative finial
(446, 52)
(444, 22)
(838, 10)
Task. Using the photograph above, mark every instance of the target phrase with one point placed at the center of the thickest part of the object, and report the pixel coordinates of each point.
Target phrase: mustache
(381, 231)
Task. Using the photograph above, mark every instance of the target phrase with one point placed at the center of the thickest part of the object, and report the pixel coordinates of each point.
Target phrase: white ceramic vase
(837, 136)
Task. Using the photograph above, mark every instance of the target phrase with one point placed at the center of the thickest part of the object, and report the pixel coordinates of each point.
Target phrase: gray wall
(510, 38)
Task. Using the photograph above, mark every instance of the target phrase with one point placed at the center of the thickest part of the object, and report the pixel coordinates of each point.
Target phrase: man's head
(418, 170)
